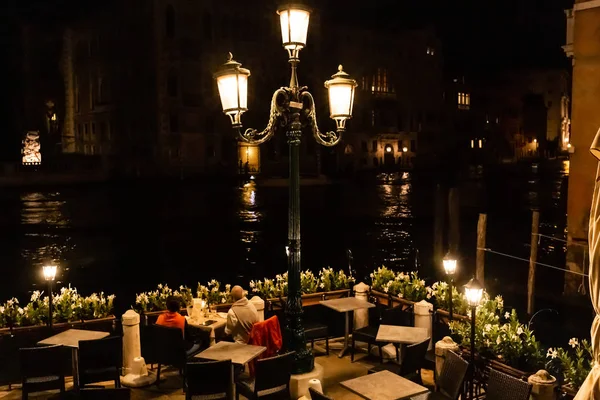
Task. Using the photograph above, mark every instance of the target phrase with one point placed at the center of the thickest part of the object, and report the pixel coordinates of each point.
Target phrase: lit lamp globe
(449, 264)
(341, 97)
(294, 21)
(473, 292)
(49, 272)
(405, 149)
(232, 81)
(388, 148)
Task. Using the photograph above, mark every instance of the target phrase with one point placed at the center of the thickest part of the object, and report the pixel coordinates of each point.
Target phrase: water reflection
(248, 211)
(42, 208)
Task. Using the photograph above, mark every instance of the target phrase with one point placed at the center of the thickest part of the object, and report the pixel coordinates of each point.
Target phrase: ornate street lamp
(450, 262)
(49, 272)
(292, 108)
(473, 293)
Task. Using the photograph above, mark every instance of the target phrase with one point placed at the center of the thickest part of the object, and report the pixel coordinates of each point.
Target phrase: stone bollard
(441, 348)
(424, 318)
(134, 367)
(543, 385)
(260, 307)
(361, 317)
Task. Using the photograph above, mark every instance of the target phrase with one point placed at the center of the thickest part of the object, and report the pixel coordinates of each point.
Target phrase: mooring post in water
(535, 226)
(438, 226)
(481, 231)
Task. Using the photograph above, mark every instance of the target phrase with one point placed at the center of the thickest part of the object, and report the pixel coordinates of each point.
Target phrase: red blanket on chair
(267, 334)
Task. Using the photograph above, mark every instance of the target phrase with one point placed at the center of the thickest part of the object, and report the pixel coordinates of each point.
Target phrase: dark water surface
(125, 238)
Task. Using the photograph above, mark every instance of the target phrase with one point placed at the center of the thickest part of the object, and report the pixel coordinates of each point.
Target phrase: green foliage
(575, 363)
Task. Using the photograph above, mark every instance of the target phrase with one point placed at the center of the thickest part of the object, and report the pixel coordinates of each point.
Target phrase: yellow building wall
(249, 154)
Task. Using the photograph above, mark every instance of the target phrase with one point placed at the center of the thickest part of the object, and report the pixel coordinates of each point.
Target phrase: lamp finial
(340, 68)
(229, 56)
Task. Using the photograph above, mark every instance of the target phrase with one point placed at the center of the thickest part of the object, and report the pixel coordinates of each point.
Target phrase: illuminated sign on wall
(31, 149)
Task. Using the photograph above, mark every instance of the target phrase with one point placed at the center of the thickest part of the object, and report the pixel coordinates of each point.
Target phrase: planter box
(311, 299)
(92, 324)
(391, 300)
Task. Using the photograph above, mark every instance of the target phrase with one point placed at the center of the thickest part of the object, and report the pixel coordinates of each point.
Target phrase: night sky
(478, 36)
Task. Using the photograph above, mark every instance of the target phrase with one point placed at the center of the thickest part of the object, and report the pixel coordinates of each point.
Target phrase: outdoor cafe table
(383, 385)
(70, 338)
(219, 323)
(401, 334)
(345, 305)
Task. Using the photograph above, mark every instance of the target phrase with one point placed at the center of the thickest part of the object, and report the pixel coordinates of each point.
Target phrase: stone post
(134, 366)
(424, 318)
(441, 348)
(260, 307)
(361, 317)
(543, 385)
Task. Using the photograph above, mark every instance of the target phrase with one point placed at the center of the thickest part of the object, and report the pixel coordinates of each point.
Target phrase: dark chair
(272, 378)
(105, 393)
(368, 334)
(450, 380)
(42, 368)
(100, 360)
(169, 348)
(315, 395)
(412, 362)
(315, 331)
(209, 380)
(505, 387)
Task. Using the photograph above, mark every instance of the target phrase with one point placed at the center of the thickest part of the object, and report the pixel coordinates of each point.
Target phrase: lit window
(380, 83)
(480, 144)
(430, 51)
(472, 144)
(464, 101)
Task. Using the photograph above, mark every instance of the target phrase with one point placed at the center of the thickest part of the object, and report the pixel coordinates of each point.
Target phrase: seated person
(173, 319)
(241, 316)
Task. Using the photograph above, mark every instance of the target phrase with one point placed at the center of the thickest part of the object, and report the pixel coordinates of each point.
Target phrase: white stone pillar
(543, 385)
(441, 348)
(131, 339)
(260, 307)
(361, 317)
(134, 366)
(424, 318)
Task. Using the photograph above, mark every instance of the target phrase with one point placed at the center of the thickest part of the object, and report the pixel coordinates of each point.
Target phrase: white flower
(322, 285)
(223, 300)
(180, 287)
(1, 309)
(499, 340)
(573, 342)
(428, 295)
(552, 353)
(507, 315)
(386, 288)
(519, 331)
(21, 311)
(422, 282)
(227, 287)
(252, 284)
(487, 327)
(372, 275)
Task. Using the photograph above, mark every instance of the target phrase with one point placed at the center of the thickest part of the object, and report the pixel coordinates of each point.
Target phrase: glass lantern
(341, 97)
(232, 81)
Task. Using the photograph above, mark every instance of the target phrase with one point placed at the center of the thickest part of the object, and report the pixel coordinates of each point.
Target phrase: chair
(316, 395)
(450, 380)
(412, 362)
(314, 331)
(105, 393)
(272, 378)
(209, 380)
(100, 360)
(368, 333)
(505, 387)
(42, 368)
(169, 348)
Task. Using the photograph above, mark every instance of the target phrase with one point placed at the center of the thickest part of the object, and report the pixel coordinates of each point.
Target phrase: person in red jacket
(173, 319)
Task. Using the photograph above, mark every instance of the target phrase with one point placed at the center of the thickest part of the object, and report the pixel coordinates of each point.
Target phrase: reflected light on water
(42, 208)
(247, 211)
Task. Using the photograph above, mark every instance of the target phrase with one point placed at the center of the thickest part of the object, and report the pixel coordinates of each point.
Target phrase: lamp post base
(304, 360)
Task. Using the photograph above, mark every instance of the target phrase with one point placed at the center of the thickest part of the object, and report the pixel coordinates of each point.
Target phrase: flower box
(60, 326)
(312, 299)
(391, 300)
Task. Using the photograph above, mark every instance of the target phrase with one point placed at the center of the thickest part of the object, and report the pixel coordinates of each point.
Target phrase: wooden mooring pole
(480, 262)
(535, 226)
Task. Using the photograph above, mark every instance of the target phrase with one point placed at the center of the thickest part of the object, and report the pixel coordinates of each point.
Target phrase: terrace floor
(336, 370)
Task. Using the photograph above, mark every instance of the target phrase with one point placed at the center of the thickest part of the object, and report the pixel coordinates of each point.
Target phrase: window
(413, 146)
(93, 129)
(364, 147)
(374, 145)
(399, 146)
(102, 131)
(480, 143)
(380, 82)
(430, 51)
(85, 131)
(172, 84)
(76, 90)
(170, 21)
(173, 123)
(375, 161)
(472, 144)
(372, 117)
(464, 101)
(92, 92)
(364, 83)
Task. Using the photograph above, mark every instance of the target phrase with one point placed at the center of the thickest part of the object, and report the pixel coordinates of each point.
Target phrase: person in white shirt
(241, 316)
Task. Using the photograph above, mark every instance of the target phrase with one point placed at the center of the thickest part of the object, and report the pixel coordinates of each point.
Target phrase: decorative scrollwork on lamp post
(292, 109)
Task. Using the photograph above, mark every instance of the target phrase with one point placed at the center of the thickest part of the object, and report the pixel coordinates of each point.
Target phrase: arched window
(170, 21)
(172, 84)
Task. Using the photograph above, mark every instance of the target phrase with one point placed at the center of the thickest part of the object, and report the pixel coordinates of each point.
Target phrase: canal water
(126, 238)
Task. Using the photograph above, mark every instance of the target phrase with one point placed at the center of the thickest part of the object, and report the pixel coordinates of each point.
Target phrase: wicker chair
(412, 362)
(272, 379)
(450, 380)
(505, 387)
(42, 368)
(105, 393)
(209, 380)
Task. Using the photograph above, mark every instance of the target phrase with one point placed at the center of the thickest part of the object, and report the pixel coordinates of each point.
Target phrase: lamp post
(473, 293)
(450, 262)
(49, 272)
(292, 108)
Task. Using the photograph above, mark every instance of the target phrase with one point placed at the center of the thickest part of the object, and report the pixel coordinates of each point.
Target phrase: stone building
(399, 98)
(583, 47)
